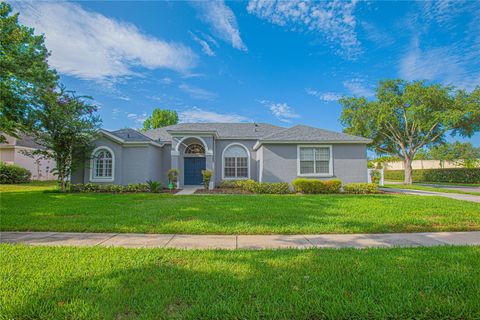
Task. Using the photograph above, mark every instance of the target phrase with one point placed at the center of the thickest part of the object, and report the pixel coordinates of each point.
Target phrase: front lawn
(25, 210)
(428, 188)
(116, 283)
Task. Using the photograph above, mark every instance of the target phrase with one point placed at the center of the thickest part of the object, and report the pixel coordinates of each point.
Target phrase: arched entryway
(193, 163)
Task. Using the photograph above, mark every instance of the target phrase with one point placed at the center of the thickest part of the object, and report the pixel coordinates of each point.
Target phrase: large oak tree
(24, 73)
(408, 116)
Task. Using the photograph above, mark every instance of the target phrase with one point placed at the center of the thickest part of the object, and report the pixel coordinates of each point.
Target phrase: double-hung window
(315, 161)
(102, 165)
(235, 162)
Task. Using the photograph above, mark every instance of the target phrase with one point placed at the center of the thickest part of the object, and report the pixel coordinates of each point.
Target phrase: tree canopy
(160, 118)
(24, 72)
(65, 127)
(408, 116)
(464, 154)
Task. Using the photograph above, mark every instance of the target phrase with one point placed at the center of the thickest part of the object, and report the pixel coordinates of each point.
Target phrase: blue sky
(278, 62)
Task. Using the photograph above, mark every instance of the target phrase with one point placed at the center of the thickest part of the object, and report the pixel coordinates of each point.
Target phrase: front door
(193, 170)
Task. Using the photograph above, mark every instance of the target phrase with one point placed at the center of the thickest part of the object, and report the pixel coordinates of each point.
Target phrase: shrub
(316, 186)
(455, 175)
(229, 184)
(110, 188)
(10, 173)
(376, 176)
(263, 187)
(360, 188)
(207, 176)
(154, 186)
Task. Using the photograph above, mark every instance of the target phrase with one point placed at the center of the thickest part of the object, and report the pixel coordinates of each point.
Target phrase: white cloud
(335, 20)
(325, 96)
(204, 44)
(196, 114)
(197, 93)
(281, 111)
(138, 118)
(376, 35)
(91, 46)
(455, 64)
(222, 21)
(359, 87)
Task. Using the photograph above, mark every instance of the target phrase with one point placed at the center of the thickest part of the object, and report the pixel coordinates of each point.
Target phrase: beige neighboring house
(12, 152)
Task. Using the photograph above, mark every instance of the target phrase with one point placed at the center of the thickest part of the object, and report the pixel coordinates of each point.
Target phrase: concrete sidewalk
(133, 240)
(456, 196)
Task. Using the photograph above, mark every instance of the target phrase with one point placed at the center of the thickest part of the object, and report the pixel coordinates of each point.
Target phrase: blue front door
(193, 170)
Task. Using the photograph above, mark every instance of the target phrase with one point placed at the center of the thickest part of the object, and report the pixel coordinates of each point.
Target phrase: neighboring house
(261, 152)
(16, 150)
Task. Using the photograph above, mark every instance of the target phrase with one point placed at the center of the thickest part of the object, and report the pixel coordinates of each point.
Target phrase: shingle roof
(24, 140)
(130, 135)
(224, 130)
(310, 134)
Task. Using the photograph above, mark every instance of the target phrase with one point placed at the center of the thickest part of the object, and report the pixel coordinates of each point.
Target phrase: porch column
(176, 165)
(209, 165)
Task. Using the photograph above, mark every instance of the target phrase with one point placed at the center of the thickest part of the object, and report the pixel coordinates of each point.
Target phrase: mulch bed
(222, 191)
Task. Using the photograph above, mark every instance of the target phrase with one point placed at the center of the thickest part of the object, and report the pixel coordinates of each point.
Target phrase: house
(262, 152)
(17, 151)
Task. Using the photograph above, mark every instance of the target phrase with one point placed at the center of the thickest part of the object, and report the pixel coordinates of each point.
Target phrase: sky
(283, 63)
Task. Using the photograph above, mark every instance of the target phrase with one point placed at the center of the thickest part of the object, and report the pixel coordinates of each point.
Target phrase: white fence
(370, 176)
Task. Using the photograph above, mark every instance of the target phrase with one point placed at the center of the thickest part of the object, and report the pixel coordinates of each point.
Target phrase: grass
(116, 283)
(428, 188)
(25, 210)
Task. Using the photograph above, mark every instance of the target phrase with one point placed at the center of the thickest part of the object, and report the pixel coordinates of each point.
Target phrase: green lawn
(428, 188)
(23, 209)
(108, 283)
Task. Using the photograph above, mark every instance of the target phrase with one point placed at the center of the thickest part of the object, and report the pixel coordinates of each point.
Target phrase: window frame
(315, 174)
(93, 178)
(223, 162)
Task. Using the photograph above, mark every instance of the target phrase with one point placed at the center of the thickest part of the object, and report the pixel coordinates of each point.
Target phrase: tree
(408, 116)
(464, 154)
(65, 127)
(160, 118)
(24, 73)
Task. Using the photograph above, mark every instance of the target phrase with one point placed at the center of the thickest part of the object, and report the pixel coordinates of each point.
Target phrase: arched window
(102, 168)
(236, 162)
(195, 149)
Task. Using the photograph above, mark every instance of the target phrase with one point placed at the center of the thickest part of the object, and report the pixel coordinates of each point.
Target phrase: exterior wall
(132, 164)
(220, 145)
(421, 164)
(40, 168)
(280, 163)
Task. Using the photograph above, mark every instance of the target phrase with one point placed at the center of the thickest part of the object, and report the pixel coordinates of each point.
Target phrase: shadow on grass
(312, 284)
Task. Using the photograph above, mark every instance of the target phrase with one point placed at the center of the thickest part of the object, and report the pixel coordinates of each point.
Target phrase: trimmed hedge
(360, 188)
(110, 188)
(455, 175)
(316, 186)
(263, 187)
(11, 173)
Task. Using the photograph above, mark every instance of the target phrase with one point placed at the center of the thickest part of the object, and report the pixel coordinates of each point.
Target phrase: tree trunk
(408, 171)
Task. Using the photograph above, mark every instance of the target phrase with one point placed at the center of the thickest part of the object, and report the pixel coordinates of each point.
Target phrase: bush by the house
(154, 186)
(360, 188)
(207, 176)
(316, 186)
(228, 184)
(263, 187)
(109, 188)
(454, 175)
(10, 173)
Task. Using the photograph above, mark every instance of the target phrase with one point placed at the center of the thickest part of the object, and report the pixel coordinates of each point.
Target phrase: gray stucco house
(262, 152)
